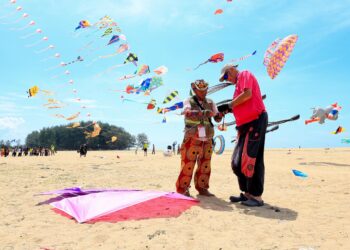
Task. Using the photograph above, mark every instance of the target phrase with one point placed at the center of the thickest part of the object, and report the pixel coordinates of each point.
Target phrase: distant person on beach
(174, 147)
(178, 149)
(145, 148)
(251, 118)
(153, 150)
(83, 150)
(197, 143)
(136, 150)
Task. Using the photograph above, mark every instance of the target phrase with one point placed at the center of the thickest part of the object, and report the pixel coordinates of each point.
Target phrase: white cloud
(11, 123)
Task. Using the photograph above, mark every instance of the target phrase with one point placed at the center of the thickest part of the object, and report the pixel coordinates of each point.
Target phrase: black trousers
(248, 156)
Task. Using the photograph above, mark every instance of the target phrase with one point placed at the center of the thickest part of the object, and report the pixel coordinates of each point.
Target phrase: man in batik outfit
(197, 145)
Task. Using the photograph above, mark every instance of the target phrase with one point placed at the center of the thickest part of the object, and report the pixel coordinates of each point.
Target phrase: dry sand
(312, 213)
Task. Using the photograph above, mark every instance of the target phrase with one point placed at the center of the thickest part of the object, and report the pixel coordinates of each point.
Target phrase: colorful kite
(73, 117)
(122, 48)
(178, 105)
(152, 104)
(345, 140)
(219, 57)
(94, 133)
(142, 70)
(83, 24)
(114, 39)
(339, 130)
(161, 70)
(320, 115)
(170, 97)
(278, 53)
(74, 125)
(131, 58)
(115, 205)
(218, 12)
(113, 139)
(35, 90)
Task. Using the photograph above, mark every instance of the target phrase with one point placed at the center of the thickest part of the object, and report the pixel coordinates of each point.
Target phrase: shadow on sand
(214, 203)
(268, 211)
(322, 163)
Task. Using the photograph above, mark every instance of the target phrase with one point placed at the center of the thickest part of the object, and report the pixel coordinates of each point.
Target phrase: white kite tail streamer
(45, 49)
(37, 42)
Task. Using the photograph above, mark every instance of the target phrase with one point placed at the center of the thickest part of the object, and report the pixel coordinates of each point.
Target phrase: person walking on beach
(197, 143)
(251, 119)
(174, 147)
(153, 150)
(145, 148)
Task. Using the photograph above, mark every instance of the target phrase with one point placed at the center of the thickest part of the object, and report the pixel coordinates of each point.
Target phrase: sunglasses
(225, 76)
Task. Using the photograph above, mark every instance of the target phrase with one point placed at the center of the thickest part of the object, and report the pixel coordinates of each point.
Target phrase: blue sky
(180, 35)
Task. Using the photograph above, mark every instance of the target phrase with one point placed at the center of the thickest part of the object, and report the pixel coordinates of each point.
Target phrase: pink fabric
(87, 207)
(162, 207)
(251, 109)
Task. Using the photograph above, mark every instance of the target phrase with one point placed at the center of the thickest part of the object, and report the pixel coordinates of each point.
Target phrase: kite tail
(33, 44)
(8, 15)
(107, 56)
(42, 50)
(92, 62)
(201, 64)
(244, 57)
(28, 35)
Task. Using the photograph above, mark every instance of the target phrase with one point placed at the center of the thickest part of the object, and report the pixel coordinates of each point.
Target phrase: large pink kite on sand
(113, 205)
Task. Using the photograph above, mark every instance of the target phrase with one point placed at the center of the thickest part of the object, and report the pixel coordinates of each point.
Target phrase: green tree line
(64, 138)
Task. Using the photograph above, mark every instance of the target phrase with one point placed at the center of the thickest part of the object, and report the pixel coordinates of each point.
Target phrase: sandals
(241, 197)
(252, 203)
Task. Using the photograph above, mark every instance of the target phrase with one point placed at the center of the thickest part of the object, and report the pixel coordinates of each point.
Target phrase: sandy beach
(311, 213)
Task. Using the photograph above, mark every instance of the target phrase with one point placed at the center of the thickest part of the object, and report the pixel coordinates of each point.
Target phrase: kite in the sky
(320, 114)
(170, 97)
(113, 139)
(122, 48)
(74, 125)
(152, 104)
(83, 24)
(278, 53)
(243, 57)
(345, 140)
(67, 72)
(339, 130)
(131, 58)
(218, 12)
(113, 39)
(94, 133)
(142, 70)
(178, 105)
(72, 117)
(161, 70)
(219, 57)
(33, 91)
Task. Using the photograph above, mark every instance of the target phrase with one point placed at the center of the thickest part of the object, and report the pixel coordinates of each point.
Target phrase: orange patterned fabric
(194, 151)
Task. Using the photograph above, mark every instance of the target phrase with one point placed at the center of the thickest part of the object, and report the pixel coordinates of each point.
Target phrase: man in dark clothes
(251, 118)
